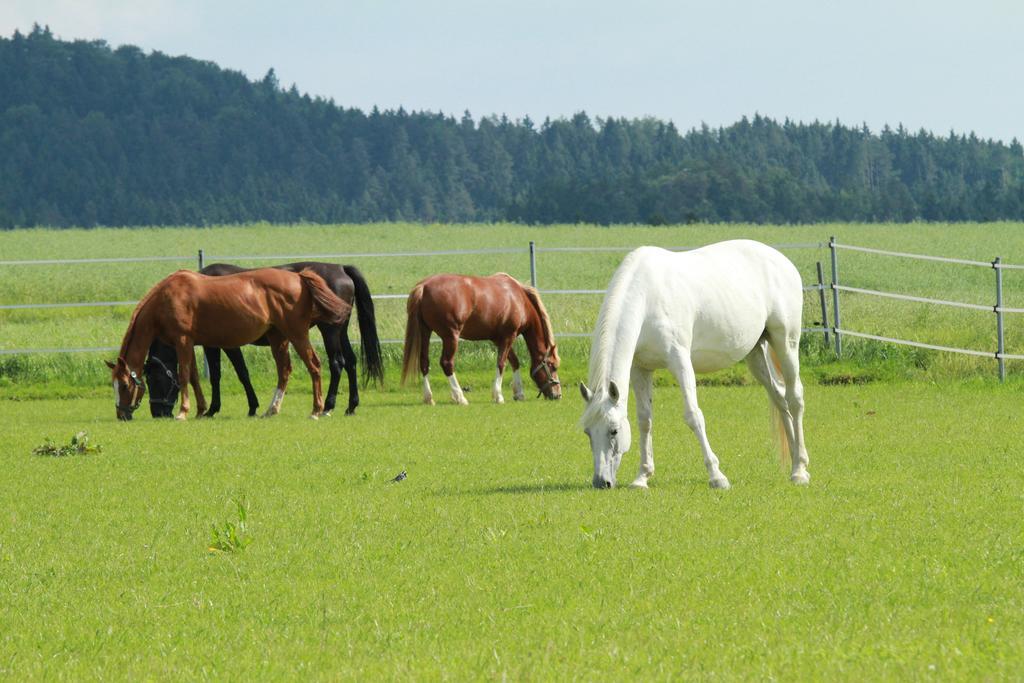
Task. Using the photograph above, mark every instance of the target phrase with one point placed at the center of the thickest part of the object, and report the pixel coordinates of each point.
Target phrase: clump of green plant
(79, 445)
(231, 537)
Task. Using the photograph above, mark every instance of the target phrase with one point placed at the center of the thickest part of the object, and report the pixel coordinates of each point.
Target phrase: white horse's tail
(778, 422)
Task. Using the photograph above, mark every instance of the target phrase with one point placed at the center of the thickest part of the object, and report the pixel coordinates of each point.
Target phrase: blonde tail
(413, 338)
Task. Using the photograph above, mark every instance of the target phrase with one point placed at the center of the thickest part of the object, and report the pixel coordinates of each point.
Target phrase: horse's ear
(109, 364)
(613, 391)
(585, 392)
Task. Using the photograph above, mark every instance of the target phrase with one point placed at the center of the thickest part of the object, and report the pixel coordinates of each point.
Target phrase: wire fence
(836, 329)
(203, 258)
(996, 307)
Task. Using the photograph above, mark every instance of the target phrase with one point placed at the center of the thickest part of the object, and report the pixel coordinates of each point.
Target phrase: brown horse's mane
(135, 314)
(534, 296)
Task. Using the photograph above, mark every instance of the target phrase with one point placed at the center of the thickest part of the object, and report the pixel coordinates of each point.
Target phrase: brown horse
(497, 308)
(187, 308)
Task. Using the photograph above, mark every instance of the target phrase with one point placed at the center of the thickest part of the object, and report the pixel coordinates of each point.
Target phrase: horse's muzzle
(602, 483)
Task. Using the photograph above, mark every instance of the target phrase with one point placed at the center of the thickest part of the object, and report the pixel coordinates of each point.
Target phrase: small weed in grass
(79, 445)
(231, 537)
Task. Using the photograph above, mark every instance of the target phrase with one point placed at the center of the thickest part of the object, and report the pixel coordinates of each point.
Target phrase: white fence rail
(836, 329)
(996, 307)
(203, 258)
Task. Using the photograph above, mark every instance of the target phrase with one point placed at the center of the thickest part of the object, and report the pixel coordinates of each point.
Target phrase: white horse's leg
(496, 388)
(682, 368)
(789, 358)
(760, 368)
(428, 395)
(456, 390)
(643, 390)
(517, 379)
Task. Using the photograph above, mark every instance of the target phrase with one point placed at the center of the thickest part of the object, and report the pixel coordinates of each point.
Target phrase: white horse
(696, 311)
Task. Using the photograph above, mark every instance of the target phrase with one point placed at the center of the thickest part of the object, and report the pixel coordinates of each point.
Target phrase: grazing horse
(497, 308)
(187, 308)
(697, 311)
(345, 281)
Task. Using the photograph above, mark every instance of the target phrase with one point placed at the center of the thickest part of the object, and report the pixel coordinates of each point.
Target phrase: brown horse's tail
(413, 338)
(327, 306)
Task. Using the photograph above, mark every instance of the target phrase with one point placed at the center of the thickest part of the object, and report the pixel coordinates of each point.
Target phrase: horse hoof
(180, 417)
(639, 483)
(314, 416)
(326, 413)
(801, 478)
(519, 397)
(720, 483)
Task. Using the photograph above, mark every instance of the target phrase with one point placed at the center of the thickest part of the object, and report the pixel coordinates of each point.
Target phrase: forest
(92, 135)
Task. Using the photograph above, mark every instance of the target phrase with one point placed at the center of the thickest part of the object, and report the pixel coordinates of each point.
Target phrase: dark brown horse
(497, 308)
(187, 308)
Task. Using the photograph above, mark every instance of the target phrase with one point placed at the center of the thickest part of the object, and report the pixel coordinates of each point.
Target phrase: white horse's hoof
(720, 483)
(499, 399)
(314, 416)
(519, 397)
(639, 483)
(180, 417)
(801, 478)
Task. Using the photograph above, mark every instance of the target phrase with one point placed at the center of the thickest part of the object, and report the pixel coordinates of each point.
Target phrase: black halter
(171, 398)
(544, 363)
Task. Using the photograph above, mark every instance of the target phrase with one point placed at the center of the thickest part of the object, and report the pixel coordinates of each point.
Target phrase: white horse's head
(607, 425)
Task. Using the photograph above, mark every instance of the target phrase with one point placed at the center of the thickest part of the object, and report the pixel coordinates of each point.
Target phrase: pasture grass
(903, 559)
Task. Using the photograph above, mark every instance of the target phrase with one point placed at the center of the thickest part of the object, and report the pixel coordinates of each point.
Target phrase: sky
(940, 65)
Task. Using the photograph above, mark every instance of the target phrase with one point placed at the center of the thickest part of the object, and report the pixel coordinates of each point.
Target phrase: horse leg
(760, 368)
(449, 345)
(349, 357)
(504, 348)
(197, 386)
(279, 347)
(643, 393)
(787, 351)
(682, 368)
(212, 354)
(305, 351)
(517, 380)
(428, 395)
(186, 361)
(238, 363)
(332, 347)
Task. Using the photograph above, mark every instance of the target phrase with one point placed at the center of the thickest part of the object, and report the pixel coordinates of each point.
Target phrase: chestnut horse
(345, 281)
(187, 308)
(497, 308)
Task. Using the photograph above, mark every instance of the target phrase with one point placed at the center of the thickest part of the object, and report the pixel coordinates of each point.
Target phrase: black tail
(369, 342)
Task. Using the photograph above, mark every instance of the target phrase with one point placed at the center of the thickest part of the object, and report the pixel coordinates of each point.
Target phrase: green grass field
(903, 559)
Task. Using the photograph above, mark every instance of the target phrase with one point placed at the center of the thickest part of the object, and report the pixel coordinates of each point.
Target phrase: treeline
(91, 135)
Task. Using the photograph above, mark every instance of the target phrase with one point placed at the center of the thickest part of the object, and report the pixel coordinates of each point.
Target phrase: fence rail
(836, 328)
(996, 264)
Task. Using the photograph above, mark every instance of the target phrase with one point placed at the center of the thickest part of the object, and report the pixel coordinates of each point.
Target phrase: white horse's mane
(605, 331)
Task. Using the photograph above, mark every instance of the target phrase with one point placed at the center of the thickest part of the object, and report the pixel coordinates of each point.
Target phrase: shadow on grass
(518, 489)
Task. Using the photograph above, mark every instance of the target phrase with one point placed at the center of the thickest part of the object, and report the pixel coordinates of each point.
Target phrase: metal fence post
(533, 264)
(1001, 345)
(821, 298)
(835, 295)
(201, 259)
